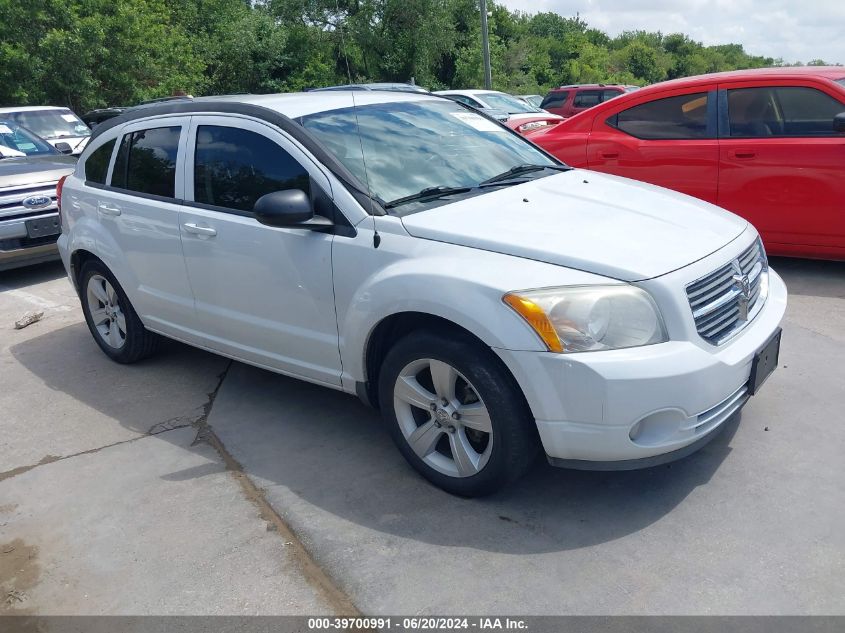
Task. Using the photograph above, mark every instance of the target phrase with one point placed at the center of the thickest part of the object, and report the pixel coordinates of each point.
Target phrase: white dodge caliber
(491, 301)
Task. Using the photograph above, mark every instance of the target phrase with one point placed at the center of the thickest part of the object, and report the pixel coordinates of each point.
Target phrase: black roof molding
(211, 106)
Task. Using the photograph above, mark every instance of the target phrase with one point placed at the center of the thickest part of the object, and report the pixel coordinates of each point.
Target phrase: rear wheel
(456, 414)
(112, 320)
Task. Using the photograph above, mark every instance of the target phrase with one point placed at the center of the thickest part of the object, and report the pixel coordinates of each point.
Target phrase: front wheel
(456, 414)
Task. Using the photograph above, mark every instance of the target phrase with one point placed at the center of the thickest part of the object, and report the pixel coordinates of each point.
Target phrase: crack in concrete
(311, 571)
(179, 422)
(171, 424)
(47, 459)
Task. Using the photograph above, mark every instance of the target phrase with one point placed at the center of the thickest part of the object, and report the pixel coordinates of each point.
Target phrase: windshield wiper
(520, 170)
(429, 193)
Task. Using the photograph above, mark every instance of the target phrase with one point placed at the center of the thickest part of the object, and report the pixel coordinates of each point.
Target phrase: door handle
(609, 155)
(107, 209)
(742, 154)
(196, 229)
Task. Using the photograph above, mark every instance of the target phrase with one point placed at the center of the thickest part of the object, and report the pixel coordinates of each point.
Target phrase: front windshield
(22, 142)
(509, 104)
(410, 146)
(51, 124)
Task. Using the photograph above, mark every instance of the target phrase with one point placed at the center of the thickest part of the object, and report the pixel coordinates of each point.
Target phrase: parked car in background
(767, 144)
(94, 117)
(498, 115)
(494, 100)
(533, 100)
(492, 301)
(532, 124)
(568, 101)
(53, 124)
(29, 222)
(17, 141)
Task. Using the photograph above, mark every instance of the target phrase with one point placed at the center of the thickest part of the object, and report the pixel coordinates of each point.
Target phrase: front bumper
(17, 249)
(588, 405)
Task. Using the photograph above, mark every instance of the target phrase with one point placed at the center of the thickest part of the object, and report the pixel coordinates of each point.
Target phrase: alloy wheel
(443, 418)
(106, 313)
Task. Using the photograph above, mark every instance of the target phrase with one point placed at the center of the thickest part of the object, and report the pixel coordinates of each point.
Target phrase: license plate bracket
(765, 362)
(43, 227)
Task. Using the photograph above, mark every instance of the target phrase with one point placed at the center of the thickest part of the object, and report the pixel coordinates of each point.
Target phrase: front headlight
(590, 318)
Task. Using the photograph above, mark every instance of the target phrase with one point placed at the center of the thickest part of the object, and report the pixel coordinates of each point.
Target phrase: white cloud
(790, 29)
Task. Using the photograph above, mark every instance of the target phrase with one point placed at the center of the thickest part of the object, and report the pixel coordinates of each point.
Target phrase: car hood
(580, 219)
(19, 172)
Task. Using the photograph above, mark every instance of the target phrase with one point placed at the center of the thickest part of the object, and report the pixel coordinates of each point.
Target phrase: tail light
(59, 186)
(542, 124)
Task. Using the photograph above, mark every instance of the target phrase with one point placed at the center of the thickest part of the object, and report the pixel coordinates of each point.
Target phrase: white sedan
(57, 125)
(491, 301)
(517, 109)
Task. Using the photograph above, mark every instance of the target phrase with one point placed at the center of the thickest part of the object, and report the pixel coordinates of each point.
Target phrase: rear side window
(233, 168)
(555, 100)
(781, 111)
(683, 117)
(609, 94)
(587, 98)
(97, 165)
(146, 161)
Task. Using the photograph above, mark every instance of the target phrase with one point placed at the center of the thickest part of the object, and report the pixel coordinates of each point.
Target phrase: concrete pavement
(108, 504)
(750, 525)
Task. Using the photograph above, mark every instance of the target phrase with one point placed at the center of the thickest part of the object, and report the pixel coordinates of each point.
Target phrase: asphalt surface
(212, 487)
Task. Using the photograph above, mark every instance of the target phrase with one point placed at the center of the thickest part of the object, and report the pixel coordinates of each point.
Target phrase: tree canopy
(94, 53)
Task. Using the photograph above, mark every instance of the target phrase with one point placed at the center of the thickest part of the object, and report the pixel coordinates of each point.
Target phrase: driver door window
(781, 111)
(233, 168)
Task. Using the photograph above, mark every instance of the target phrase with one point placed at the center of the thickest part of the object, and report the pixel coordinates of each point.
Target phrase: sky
(794, 30)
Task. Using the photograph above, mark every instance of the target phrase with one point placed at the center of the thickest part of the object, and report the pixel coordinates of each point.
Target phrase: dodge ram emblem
(743, 284)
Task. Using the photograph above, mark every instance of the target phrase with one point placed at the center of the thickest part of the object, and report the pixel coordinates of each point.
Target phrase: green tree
(642, 61)
(90, 53)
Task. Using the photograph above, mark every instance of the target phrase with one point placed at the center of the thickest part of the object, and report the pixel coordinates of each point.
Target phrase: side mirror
(839, 123)
(64, 148)
(290, 208)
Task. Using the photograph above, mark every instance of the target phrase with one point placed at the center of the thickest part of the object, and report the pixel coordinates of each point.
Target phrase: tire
(112, 320)
(424, 381)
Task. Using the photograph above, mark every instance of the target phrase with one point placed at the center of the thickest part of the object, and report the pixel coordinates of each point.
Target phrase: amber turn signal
(536, 318)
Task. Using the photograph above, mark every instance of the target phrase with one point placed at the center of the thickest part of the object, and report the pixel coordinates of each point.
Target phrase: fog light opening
(658, 428)
(635, 431)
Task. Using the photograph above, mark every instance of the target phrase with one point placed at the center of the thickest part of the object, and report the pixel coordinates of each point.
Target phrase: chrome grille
(11, 199)
(724, 301)
(714, 416)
